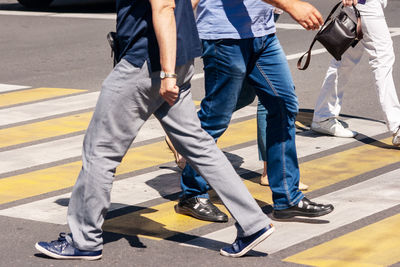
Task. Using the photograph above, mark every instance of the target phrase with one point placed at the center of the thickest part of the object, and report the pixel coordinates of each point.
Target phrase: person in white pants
(377, 43)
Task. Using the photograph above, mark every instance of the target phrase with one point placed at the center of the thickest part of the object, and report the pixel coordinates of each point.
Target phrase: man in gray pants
(133, 91)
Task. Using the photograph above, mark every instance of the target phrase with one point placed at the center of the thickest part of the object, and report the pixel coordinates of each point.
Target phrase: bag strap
(359, 35)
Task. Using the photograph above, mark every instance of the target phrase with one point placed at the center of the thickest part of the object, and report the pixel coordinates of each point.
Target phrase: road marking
(351, 204)
(158, 222)
(11, 87)
(47, 152)
(163, 223)
(58, 15)
(161, 226)
(349, 163)
(289, 26)
(373, 245)
(63, 176)
(30, 95)
(126, 192)
(47, 108)
(246, 158)
(44, 129)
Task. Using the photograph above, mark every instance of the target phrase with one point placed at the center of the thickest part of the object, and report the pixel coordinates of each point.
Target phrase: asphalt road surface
(53, 62)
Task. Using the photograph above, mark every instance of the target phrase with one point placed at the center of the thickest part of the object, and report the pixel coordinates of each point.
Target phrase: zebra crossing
(41, 134)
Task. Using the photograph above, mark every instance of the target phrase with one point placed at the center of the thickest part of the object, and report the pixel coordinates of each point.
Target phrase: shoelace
(61, 242)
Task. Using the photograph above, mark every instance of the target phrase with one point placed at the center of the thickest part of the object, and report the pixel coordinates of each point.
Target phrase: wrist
(164, 75)
(287, 5)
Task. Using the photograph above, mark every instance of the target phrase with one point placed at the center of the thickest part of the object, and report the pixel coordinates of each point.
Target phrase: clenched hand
(305, 14)
(169, 90)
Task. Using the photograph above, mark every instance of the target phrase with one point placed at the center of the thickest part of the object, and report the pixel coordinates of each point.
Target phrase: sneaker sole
(250, 246)
(61, 257)
(189, 212)
(301, 214)
(326, 132)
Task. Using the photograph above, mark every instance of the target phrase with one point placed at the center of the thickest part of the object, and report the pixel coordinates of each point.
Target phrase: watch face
(167, 75)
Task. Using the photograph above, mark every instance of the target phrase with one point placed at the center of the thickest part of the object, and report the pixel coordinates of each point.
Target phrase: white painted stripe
(55, 107)
(313, 52)
(11, 87)
(394, 29)
(137, 189)
(295, 26)
(351, 204)
(35, 155)
(47, 108)
(86, 16)
(48, 152)
(58, 15)
(309, 143)
(25, 13)
(39, 154)
(289, 26)
(127, 192)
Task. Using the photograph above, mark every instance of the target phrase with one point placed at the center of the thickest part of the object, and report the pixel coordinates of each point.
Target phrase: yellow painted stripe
(331, 169)
(44, 129)
(164, 222)
(59, 177)
(63, 176)
(30, 95)
(374, 245)
(157, 222)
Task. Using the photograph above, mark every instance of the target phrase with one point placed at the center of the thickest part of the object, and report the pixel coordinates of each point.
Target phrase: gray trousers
(129, 96)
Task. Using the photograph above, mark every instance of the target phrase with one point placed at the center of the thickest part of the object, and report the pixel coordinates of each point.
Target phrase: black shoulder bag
(336, 35)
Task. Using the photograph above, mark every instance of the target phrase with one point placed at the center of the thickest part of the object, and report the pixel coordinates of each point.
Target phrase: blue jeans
(260, 63)
(246, 97)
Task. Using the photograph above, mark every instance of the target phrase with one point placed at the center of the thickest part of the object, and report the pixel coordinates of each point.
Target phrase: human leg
(201, 152)
(379, 46)
(275, 89)
(179, 159)
(127, 99)
(262, 140)
(225, 69)
(329, 102)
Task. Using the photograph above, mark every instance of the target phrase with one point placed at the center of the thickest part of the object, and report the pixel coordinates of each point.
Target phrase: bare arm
(302, 12)
(165, 29)
(349, 2)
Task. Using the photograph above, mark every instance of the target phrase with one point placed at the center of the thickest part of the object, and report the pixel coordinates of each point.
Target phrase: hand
(306, 14)
(169, 90)
(349, 2)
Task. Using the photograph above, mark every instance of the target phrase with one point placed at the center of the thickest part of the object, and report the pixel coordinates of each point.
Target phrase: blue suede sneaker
(61, 249)
(244, 244)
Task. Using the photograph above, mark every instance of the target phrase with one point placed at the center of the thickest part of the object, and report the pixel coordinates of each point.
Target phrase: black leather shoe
(200, 208)
(304, 208)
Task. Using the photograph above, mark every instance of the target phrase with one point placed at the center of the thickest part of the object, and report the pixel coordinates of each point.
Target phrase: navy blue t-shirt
(137, 41)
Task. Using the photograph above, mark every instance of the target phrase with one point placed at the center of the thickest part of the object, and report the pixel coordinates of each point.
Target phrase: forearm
(165, 29)
(302, 12)
(285, 5)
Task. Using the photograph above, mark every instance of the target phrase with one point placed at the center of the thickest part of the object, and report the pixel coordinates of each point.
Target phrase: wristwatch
(164, 75)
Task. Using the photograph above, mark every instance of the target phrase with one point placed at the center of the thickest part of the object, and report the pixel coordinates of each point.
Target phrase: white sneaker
(396, 138)
(332, 127)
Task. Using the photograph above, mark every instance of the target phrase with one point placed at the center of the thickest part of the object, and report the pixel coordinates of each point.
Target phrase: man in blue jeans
(150, 78)
(240, 49)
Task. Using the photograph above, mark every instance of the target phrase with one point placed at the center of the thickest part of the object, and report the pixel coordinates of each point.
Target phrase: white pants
(377, 43)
